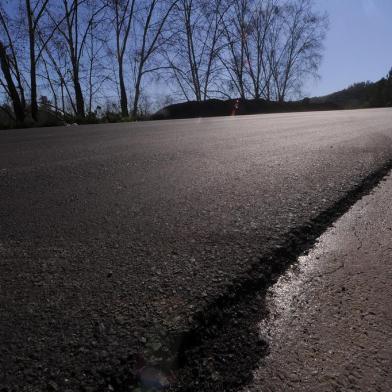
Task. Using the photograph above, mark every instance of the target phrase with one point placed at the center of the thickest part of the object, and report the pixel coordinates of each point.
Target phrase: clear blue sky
(358, 45)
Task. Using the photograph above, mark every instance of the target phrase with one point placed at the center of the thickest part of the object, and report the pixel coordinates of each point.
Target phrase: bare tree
(9, 85)
(34, 13)
(257, 66)
(194, 52)
(151, 25)
(124, 12)
(271, 46)
(55, 58)
(74, 30)
(97, 69)
(295, 46)
(51, 82)
(237, 30)
(10, 60)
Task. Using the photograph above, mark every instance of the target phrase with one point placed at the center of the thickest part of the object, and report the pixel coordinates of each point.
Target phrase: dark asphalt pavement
(111, 234)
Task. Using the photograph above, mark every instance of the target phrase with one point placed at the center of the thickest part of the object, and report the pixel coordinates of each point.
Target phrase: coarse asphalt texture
(114, 236)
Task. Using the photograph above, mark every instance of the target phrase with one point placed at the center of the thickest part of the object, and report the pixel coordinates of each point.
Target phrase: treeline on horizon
(114, 60)
(357, 96)
(362, 95)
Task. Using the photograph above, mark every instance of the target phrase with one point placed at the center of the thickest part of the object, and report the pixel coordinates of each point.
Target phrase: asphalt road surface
(112, 234)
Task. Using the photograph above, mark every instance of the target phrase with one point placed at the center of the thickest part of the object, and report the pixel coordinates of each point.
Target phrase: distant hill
(217, 107)
(359, 95)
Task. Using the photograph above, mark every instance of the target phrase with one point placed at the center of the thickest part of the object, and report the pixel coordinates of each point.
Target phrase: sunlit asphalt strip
(223, 347)
(330, 315)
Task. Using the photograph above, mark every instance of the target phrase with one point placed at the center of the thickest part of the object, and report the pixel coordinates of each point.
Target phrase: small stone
(156, 346)
(215, 376)
(52, 386)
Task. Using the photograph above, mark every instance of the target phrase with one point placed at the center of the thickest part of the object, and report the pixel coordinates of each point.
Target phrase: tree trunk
(16, 102)
(136, 99)
(33, 71)
(33, 86)
(62, 96)
(78, 94)
(79, 99)
(123, 92)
